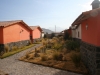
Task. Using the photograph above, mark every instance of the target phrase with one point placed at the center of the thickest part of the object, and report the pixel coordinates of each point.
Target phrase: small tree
(66, 35)
(46, 35)
(52, 35)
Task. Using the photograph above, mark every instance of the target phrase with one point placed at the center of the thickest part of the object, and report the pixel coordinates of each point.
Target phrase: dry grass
(44, 58)
(15, 51)
(61, 59)
(48, 60)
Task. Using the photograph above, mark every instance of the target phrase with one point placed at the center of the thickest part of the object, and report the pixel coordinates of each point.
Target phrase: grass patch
(16, 51)
(37, 42)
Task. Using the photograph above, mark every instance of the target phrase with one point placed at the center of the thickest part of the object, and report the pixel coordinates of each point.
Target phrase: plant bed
(51, 58)
(15, 51)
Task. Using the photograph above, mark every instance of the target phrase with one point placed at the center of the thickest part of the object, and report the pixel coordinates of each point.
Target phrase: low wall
(76, 39)
(18, 44)
(91, 57)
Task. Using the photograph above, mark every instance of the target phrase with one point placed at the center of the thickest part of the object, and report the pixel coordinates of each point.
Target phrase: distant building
(42, 34)
(36, 32)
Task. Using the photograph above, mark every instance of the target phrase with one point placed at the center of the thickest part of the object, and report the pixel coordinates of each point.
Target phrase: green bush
(57, 56)
(72, 45)
(57, 46)
(76, 58)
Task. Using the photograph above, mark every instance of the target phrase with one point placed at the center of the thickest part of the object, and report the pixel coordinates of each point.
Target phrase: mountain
(47, 31)
(58, 29)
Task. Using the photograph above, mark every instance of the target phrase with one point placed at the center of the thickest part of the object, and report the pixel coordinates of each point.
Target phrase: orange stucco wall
(1, 35)
(36, 33)
(92, 33)
(14, 33)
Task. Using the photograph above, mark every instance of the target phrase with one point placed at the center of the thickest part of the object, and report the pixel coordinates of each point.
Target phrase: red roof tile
(8, 23)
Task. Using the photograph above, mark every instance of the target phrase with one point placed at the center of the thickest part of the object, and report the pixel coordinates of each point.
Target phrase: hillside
(47, 31)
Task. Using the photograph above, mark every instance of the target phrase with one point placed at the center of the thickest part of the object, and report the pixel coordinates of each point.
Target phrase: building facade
(89, 27)
(14, 33)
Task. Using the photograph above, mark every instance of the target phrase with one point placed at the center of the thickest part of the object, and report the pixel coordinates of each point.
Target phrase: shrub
(1, 53)
(14, 48)
(30, 42)
(57, 46)
(57, 56)
(44, 43)
(43, 57)
(66, 35)
(72, 45)
(41, 47)
(52, 35)
(49, 46)
(27, 56)
(36, 53)
(7, 48)
(76, 58)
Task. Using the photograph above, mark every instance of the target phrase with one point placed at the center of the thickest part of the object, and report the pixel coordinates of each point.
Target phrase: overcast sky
(46, 13)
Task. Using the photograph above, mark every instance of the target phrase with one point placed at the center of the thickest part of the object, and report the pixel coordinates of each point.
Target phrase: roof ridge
(11, 21)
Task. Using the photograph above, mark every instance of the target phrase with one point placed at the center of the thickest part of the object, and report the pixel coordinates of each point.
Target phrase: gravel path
(12, 66)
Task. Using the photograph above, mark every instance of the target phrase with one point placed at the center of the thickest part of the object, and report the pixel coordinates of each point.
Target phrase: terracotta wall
(91, 34)
(1, 35)
(70, 32)
(98, 28)
(15, 33)
(36, 34)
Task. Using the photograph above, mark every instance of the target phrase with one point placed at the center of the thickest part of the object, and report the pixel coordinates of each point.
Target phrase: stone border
(18, 44)
(91, 57)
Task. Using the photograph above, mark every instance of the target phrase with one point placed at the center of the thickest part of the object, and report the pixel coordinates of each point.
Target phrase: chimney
(95, 4)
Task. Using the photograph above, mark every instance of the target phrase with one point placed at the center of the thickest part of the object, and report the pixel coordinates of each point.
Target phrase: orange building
(36, 32)
(90, 24)
(90, 37)
(14, 33)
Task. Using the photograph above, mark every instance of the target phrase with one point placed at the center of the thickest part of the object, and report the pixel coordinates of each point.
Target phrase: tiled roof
(86, 15)
(34, 27)
(8, 23)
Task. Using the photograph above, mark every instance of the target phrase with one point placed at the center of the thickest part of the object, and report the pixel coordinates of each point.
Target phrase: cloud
(86, 6)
